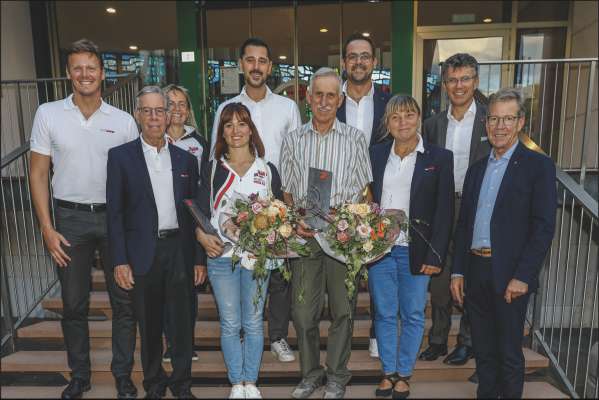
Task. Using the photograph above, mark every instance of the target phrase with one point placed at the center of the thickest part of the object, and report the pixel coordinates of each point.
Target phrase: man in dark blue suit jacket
(359, 61)
(366, 107)
(152, 243)
(505, 228)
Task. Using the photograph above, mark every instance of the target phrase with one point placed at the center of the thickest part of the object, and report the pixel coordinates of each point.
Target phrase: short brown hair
(243, 114)
(353, 37)
(84, 46)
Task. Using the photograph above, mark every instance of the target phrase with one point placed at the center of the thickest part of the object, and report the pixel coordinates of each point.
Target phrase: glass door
(432, 48)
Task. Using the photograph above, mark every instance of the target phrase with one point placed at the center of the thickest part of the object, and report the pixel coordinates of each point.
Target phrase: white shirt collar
(470, 112)
(69, 104)
(419, 148)
(268, 94)
(148, 147)
(369, 94)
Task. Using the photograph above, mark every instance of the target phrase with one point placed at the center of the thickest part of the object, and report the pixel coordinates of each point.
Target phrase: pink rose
(256, 208)
(343, 237)
(363, 230)
(271, 237)
(342, 225)
(242, 217)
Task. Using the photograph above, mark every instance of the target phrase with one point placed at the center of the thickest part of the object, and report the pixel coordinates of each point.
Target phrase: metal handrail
(27, 272)
(541, 61)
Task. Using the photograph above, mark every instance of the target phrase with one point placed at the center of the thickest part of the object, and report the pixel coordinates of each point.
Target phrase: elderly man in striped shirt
(327, 144)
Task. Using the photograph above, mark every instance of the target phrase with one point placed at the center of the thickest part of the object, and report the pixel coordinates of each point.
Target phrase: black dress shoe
(125, 388)
(433, 352)
(184, 393)
(75, 389)
(459, 356)
(157, 392)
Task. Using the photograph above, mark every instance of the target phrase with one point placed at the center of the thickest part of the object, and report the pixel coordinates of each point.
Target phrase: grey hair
(508, 94)
(322, 72)
(191, 120)
(148, 90)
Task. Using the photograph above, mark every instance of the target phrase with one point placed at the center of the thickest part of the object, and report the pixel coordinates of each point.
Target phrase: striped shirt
(342, 151)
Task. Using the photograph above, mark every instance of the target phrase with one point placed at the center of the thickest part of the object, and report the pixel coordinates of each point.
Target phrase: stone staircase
(45, 355)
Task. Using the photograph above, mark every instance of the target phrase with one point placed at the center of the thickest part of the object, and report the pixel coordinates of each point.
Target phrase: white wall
(18, 62)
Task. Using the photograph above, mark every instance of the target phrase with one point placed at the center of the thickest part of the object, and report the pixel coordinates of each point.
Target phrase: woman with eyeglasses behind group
(182, 132)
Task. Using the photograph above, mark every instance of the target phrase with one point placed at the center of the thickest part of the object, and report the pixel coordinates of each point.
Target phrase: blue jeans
(394, 289)
(235, 291)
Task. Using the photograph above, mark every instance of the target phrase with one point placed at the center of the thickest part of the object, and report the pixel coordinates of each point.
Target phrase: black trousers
(86, 232)
(279, 306)
(194, 315)
(167, 282)
(497, 332)
(442, 303)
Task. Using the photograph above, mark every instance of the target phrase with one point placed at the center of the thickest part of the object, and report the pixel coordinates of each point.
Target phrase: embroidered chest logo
(107, 130)
(193, 149)
(260, 177)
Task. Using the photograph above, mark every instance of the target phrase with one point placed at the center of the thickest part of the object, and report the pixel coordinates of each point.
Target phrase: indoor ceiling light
(282, 57)
(366, 34)
(487, 20)
(111, 10)
(133, 47)
(323, 30)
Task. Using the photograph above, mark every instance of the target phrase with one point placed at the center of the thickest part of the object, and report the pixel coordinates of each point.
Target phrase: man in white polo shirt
(74, 136)
(274, 116)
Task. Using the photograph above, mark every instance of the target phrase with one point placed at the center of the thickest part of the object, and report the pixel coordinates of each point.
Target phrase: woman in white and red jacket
(238, 167)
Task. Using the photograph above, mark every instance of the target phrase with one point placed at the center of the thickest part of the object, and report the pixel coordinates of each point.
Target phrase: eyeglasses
(508, 120)
(353, 57)
(148, 111)
(182, 105)
(454, 81)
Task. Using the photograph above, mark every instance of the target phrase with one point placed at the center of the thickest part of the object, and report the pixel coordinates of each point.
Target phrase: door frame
(503, 30)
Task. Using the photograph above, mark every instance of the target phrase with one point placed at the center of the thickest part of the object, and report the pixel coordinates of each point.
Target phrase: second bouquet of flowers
(359, 234)
(266, 229)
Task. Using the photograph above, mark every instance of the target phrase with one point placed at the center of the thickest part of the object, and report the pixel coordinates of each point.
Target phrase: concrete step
(207, 333)
(418, 390)
(100, 305)
(211, 365)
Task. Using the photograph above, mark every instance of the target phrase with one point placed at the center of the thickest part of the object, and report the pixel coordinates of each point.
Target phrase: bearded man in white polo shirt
(74, 136)
(274, 116)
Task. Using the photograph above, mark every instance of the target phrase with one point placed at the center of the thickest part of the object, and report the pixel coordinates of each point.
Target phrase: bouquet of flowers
(264, 227)
(359, 234)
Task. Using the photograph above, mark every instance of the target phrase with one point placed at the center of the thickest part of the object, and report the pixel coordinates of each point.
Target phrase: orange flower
(261, 221)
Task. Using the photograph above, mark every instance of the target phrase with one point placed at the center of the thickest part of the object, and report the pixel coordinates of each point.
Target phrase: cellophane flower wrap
(264, 227)
(359, 234)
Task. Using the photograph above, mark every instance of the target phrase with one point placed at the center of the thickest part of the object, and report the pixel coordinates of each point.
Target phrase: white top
(79, 147)
(360, 115)
(397, 183)
(161, 175)
(257, 180)
(273, 116)
(459, 136)
(190, 144)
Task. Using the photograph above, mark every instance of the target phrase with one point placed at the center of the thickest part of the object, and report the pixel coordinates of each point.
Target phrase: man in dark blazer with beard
(460, 129)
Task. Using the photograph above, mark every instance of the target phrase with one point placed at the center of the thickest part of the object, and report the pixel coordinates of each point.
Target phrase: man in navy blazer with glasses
(505, 228)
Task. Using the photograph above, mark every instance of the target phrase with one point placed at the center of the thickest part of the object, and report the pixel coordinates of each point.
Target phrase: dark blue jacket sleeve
(115, 208)
(544, 199)
(461, 247)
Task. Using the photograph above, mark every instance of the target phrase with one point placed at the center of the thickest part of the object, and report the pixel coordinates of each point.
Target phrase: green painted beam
(402, 43)
(189, 72)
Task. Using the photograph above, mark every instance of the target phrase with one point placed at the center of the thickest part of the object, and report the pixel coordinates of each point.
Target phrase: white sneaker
(252, 392)
(373, 348)
(281, 351)
(237, 392)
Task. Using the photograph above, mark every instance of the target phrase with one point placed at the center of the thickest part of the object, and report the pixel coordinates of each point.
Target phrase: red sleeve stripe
(223, 190)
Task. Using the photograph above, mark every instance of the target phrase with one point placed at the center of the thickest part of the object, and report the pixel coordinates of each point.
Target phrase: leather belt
(165, 233)
(93, 207)
(484, 252)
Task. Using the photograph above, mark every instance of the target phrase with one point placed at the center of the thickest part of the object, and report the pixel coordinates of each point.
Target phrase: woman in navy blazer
(417, 178)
